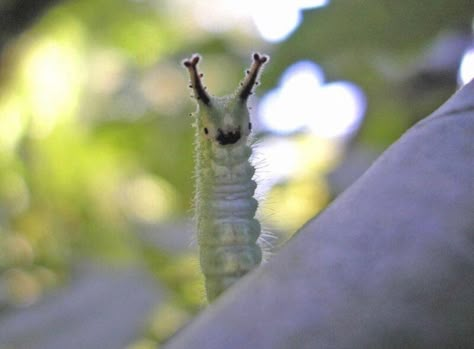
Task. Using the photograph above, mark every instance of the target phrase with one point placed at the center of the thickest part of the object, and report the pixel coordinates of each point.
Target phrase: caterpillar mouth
(225, 138)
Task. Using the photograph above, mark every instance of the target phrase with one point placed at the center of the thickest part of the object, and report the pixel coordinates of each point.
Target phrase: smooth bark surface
(390, 264)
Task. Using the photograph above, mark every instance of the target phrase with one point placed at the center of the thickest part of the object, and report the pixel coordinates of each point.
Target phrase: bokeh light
(466, 69)
(267, 159)
(53, 76)
(12, 122)
(274, 21)
(148, 199)
(303, 102)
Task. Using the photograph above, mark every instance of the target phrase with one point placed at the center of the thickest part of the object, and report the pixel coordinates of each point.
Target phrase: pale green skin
(227, 230)
(225, 207)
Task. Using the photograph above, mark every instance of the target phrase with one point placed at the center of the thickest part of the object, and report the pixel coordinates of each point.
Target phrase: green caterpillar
(227, 230)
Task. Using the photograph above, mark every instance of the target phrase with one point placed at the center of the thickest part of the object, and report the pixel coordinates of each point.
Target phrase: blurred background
(96, 144)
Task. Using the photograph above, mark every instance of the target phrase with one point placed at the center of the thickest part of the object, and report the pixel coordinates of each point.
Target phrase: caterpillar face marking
(230, 137)
(223, 120)
(224, 204)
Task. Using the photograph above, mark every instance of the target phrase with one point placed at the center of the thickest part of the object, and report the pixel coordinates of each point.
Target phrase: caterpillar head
(224, 120)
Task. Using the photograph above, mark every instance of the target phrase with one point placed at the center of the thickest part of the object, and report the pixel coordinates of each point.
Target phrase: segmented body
(225, 207)
(225, 211)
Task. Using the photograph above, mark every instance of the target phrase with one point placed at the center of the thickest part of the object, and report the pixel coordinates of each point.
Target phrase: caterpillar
(224, 203)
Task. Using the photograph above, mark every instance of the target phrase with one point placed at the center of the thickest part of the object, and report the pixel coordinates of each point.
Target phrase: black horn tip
(259, 58)
(191, 62)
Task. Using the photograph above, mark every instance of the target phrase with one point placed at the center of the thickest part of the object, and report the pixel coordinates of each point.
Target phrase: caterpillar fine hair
(227, 230)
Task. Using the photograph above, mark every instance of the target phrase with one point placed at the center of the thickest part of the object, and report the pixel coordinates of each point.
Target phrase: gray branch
(390, 264)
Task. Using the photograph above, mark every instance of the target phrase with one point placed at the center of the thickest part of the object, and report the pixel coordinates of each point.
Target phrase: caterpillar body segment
(227, 230)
